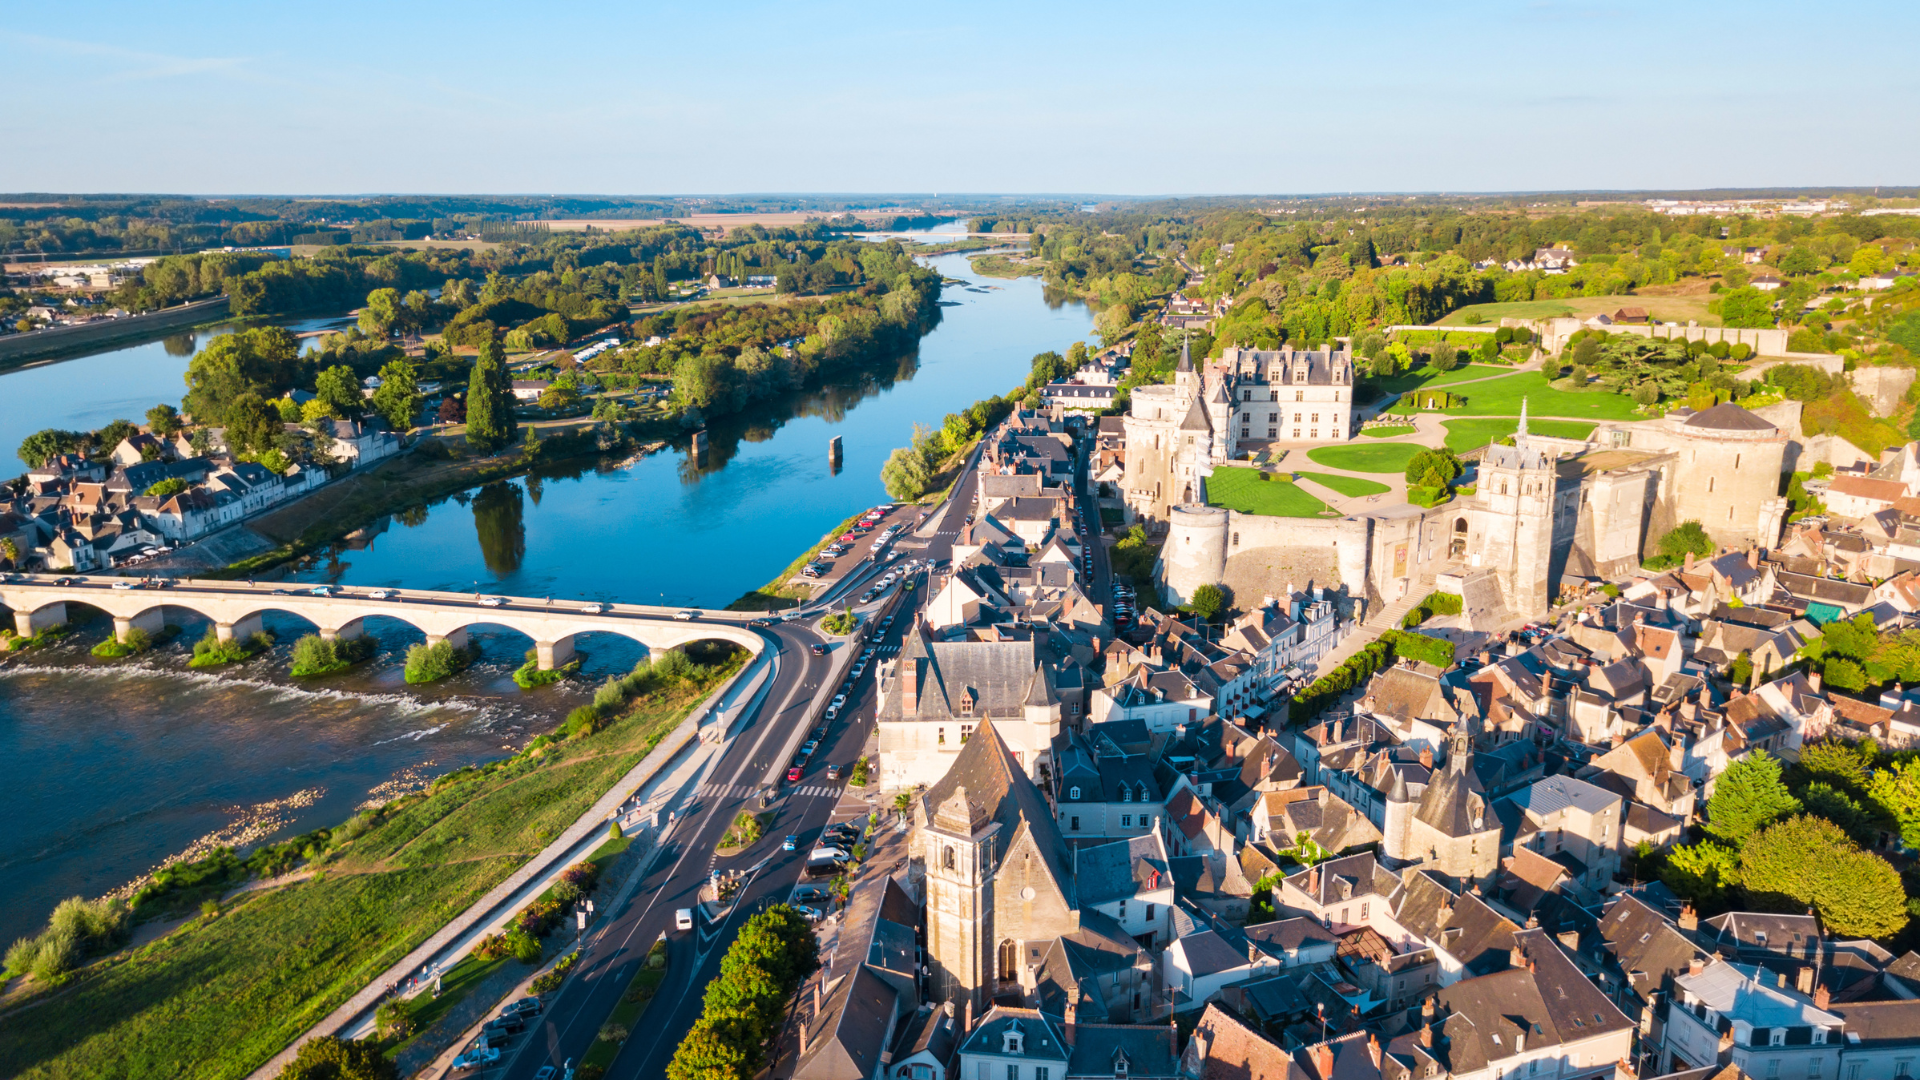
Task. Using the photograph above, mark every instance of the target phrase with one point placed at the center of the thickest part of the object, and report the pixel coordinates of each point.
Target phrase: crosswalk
(740, 791)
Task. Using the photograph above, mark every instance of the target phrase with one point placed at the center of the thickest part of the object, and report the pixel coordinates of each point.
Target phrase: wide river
(106, 770)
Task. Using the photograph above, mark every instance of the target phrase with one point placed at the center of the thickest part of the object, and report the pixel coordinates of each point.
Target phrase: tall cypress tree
(489, 417)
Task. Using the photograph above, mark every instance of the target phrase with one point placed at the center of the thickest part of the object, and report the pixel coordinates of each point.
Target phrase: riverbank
(1000, 266)
(57, 342)
(226, 992)
(777, 594)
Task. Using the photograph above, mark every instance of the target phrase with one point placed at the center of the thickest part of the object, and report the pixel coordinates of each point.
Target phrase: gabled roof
(1225, 1047)
(986, 777)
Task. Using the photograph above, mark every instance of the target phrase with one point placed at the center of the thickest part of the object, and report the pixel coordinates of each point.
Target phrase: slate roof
(1556, 793)
(852, 1028)
(1120, 870)
(1470, 931)
(1548, 1001)
(1225, 1047)
(985, 773)
(1283, 935)
(1881, 1023)
(1649, 948)
(1209, 954)
(1149, 1050)
(1727, 416)
(1041, 1034)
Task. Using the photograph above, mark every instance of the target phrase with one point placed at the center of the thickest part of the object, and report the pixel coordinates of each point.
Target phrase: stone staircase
(1388, 617)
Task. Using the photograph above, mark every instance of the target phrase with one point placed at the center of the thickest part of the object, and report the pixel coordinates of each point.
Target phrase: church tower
(1517, 483)
(956, 847)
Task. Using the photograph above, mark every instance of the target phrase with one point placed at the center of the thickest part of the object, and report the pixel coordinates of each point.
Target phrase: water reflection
(500, 518)
(178, 344)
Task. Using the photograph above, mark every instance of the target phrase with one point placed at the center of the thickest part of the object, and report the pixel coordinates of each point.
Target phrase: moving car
(817, 649)
(791, 843)
(593, 609)
(686, 616)
(380, 594)
(123, 585)
(683, 919)
(833, 772)
(493, 601)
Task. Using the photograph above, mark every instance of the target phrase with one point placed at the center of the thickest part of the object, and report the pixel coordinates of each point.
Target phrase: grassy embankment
(1665, 308)
(1366, 457)
(1351, 486)
(1253, 492)
(224, 993)
(1465, 435)
(1502, 397)
(777, 594)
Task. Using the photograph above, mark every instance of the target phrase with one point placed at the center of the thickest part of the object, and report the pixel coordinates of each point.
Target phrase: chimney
(1689, 918)
(1373, 1048)
(909, 685)
(1426, 1009)
(968, 1025)
(1426, 758)
(1323, 1058)
(819, 996)
(1517, 957)
(1821, 997)
(1689, 560)
(803, 1040)
(1753, 558)
(1426, 1036)
(1695, 966)
(1803, 980)
(1813, 681)
(1313, 882)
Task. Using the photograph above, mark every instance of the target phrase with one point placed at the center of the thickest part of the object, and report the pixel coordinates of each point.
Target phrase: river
(108, 769)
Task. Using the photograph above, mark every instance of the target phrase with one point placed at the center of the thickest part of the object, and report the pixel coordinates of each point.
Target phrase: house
(1342, 894)
(529, 389)
(1540, 1011)
(924, 1048)
(1104, 782)
(1725, 1012)
(1860, 496)
(1631, 315)
(1201, 964)
(1279, 818)
(1098, 973)
(1130, 882)
(1224, 1047)
(1014, 1044)
(938, 693)
(1765, 282)
(1573, 823)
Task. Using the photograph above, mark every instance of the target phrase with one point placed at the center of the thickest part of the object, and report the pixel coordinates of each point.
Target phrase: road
(757, 758)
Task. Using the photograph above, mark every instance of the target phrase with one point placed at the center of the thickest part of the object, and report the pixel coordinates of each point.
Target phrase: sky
(1116, 98)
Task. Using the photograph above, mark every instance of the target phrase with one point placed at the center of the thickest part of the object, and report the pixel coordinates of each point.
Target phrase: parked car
(807, 748)
(493, 601)
(512, 1025)
(477, 1056)
(807, 913)
(794, 774)
(686, 616)
(828, 853)
(811, 894)
(526, 1006)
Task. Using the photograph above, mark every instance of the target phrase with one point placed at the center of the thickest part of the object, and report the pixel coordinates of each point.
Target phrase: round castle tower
(1196, 550)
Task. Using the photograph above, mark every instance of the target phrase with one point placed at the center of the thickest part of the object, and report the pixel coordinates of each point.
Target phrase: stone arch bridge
(235, 609)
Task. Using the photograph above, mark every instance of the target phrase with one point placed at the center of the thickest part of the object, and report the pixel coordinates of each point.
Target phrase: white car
(380, 594)
(683, 919)
(686, 616)
(593, 609)
(493, 601)
(476, 1057)
(123, 585)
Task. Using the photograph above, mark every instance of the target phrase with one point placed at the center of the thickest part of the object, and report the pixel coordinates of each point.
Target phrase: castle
(1541, 509)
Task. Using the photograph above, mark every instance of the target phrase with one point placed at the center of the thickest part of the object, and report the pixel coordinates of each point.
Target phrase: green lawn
(1347, 485)
(1244, 490)
(217, 998)
(1465, 435)
(1388, 432)
(1419, 377)
(1501, 397)
(1361, 457)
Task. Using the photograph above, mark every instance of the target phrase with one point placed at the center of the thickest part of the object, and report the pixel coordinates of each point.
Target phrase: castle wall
(1883, 387)
(1254, 555)
(1725, 477)
(1610, 527)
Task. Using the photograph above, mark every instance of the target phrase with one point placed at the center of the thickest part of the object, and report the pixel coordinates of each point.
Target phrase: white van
(683, 919)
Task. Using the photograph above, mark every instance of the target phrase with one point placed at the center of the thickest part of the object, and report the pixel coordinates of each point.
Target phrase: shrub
(394, 1018)
(530, 676)
(138, 641)
(431, 663)
(210, 651)
(315, 655)
(581, 722)
(523, 946)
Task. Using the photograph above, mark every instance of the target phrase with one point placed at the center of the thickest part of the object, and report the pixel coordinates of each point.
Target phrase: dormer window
(1013, 1042)
(1126, 793)
(1073, 793)
(1119, 1064)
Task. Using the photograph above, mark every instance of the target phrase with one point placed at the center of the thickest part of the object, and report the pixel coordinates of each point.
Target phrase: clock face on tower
(1028, 893)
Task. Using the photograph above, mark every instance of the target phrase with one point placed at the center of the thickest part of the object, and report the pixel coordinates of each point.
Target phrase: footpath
(445, 947)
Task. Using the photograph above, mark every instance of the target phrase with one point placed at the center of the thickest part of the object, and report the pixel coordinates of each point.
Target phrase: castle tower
(1517, 483)
(1394, 843)
(1186, 381)
(1220, 413)
(1195, 553)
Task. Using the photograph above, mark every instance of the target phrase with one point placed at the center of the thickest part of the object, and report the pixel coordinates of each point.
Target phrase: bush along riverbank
(210, 651)
(315, 655)
(431, 663)
(226, 991)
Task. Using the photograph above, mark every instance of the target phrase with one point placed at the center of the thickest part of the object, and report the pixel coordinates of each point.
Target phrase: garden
(1350, 486)
(1465, 435)
(1364, 457)
(1502, 397)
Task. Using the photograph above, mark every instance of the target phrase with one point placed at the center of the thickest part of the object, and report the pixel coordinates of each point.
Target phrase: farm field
(1245, 490)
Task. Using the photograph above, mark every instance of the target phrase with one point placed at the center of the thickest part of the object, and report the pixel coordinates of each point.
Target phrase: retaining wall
(55, 340)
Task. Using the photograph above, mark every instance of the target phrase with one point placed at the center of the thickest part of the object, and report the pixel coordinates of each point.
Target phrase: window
(1363, 909)
(1126, 793)
(943, 736)
(1073, 824)
(1343, 914)
(1299, 395)
(1773, 1069)
(1073, 793)
(1273, 418)
(1149, 911)
(1245, 395)
(1146, 821)
(1126, 821)
(1296, 418)
(1314, 434)
(1123, 909)
(1777, 1037)
(1296, 433)
(1273, 395)
(1273, 433)
(1813, 1069)
(1013, 1072)
(1244, 433)
(1709, 485)
(1903, 1066)
(1316, 418)
(1853, 1070)
(1040, 1072)
(948, 859)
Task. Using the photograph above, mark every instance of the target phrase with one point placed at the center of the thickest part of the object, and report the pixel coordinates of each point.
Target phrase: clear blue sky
(1120, 97)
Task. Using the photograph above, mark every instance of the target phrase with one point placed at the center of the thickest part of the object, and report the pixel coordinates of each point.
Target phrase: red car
(794, 774)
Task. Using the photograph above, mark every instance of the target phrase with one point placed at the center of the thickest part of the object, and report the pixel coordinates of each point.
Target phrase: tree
(1802, 260)
(264, 360)
(1208, 601)
(1825, 800)
(43, 446)
(253, 426)
(1809, 860)
(905, 474)
(382, 313)
(1747, 307)
(1688, 536)
(397, 399)
(1748, 797)
(1895, 794)
(490, 421)
(326, 1057)
(1444, 357)
(340, 389)
(706, 1053)
(163, 419)
(1113, 323)
(1426, 465)
(453, 409)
